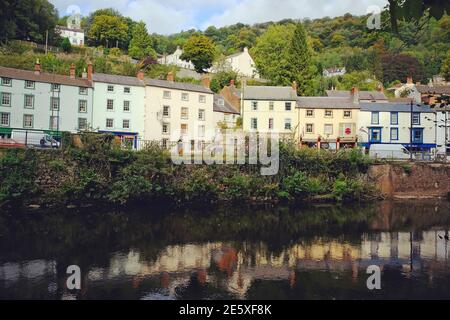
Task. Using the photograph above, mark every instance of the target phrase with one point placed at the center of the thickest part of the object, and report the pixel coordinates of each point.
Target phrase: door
(374, 135)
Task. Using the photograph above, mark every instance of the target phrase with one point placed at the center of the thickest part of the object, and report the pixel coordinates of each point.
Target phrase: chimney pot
(141, 75)
(409, 80)
(206, 81)
(84, 74)
(355, 94)
(37, 67)
(170, 77)
(90, 71)
(72, 71)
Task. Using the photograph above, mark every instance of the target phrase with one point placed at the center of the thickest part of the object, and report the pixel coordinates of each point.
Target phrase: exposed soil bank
(412, 181)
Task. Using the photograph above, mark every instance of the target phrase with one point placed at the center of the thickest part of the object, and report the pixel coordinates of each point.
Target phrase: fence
(30, 139)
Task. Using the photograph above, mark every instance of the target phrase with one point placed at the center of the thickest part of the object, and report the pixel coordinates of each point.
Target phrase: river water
(316, 252)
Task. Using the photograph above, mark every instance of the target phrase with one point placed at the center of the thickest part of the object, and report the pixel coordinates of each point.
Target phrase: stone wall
(417, 180)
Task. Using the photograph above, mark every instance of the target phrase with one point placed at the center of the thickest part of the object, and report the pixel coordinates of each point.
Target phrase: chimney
(141, 75)
(170, 77)
(206, 81)
(294, 86)
(355, 94)
(84, 74)
(90, 71)
(37, 67)
(72, 71)
(232, 83)
(409, 80)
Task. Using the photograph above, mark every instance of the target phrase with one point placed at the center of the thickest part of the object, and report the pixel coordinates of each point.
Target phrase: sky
(171, 16)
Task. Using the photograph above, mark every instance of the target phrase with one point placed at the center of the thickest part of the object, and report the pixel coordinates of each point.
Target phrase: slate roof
(177, 85)
(394, 107)
(115, 79)
(433, 89)
(43, 77)
(363, 95)
(225, 108)
(270, 93)
(326, 103)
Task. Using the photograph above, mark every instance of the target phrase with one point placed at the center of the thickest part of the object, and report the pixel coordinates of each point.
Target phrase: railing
(30, 139)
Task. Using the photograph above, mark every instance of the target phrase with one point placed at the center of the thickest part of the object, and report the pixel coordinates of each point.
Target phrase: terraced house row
(138, 109)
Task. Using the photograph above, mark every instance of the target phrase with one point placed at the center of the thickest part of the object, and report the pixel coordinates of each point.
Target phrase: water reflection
(302, 253)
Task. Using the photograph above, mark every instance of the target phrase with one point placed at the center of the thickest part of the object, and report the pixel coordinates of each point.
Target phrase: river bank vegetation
(100, 172)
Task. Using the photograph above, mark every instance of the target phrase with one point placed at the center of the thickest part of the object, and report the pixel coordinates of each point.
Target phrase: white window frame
(108, 103)
(123, 124)
(112, 123)
(8, 117)
(80, 102)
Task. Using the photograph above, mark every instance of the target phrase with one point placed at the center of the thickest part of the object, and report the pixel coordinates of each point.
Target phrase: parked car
(37, 139)
(389, 151)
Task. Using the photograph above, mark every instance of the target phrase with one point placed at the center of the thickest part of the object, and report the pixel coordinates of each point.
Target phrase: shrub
(115, 52)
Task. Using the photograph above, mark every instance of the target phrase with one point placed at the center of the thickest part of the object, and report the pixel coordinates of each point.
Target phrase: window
(201, 114)
(416, 118)
(184, 113)
(29, 84)
(167, 94)
(255, 105)
(394, 133)
(347, 114)
(165, 143)
(110, 105)
(29, 101)
(185, 96)
(288, 106)
(309, 128)
(271, 124)
(202, 98)
(417, 135)
(4, 119)
(54, 104)
(83, 91)
(184, 129)
(126, 124)
(110, 88)
(166, 128)
(82, 123)
(328, 129)
(126, 90)
(166, 111)
(6, 82)
(328, 114)
(109, 123)
(254, 123)
(54, 121)
(55, 87)
(126, 106)
(6, 99)
(394, 118)
(28, 121)
(375, 118)
(287, 124)
(374, 135)
(201, 131)
(310, 113)
(271, 105)
(82, 106)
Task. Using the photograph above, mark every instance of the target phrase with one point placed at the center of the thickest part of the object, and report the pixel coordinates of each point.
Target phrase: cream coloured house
(225, 115)
(177, 111)
(329, 123)
(73, 30)
(242, 63)
(175, 59)
(270, 109)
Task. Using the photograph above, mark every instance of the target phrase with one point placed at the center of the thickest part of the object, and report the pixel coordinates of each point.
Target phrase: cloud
(170, 16)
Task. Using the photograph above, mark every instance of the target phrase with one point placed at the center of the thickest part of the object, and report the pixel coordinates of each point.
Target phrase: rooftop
(422, 88)
(363, 95)
(394, 107)
(115, 79)
(270, 93)
(225, 107)
(326, 103)
(43, 77)
(177, 85)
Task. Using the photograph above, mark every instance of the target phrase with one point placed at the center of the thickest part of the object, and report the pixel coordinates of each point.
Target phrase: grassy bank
(98, 172)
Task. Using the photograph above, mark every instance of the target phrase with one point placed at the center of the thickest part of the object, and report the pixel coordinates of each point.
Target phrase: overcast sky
(170, 16)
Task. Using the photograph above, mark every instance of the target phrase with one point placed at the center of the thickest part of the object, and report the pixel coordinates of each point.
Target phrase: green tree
(141, 42)
(108, 30)
(271, 53)
(301, 68)
(201, 51)
(221, 79)
(65, 45)
(446, 67)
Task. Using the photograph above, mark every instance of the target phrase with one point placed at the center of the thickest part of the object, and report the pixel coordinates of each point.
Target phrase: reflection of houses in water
(236, 269)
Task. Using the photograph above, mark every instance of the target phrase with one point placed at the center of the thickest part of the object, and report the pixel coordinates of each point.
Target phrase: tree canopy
(141, 44)
(201, 51)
